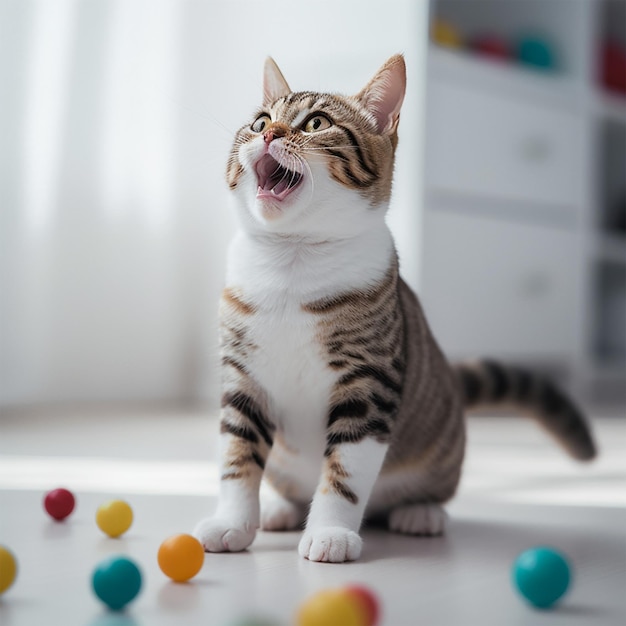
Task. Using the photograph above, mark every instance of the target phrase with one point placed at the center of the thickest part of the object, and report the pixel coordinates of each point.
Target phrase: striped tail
(488, 384)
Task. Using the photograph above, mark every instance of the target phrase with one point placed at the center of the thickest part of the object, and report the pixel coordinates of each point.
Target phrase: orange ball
(181, 557)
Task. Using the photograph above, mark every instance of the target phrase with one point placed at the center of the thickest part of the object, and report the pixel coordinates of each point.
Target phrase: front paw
(218, 534)
(330, 544)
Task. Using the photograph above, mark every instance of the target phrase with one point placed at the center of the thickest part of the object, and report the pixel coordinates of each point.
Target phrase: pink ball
(59, 503)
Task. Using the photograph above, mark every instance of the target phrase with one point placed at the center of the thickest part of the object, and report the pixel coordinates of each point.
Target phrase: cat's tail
(488, 384)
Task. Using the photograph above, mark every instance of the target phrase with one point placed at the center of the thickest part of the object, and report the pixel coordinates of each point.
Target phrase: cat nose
(275, 131)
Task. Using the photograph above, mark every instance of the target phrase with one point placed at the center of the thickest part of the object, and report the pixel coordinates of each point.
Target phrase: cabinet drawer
(494, 146)
(497, 288)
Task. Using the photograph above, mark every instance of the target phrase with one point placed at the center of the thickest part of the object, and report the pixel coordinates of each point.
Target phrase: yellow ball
(181, 557)
(114, 518)
(333, 607)
(8, 569)
(446, 35)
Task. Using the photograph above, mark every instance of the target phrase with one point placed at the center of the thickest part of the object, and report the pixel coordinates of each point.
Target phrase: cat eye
(261, 123)
(317, 123)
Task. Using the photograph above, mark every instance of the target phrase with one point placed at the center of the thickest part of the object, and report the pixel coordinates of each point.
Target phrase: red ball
(493, 46)
(613, 67)
(367, 601)
(59, 503)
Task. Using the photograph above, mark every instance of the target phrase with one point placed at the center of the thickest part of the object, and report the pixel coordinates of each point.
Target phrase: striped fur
(334, 390)
(486, 383)
(357, 156)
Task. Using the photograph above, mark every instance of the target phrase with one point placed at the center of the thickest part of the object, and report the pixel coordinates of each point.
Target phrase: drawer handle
(536, 284)
(536, 148)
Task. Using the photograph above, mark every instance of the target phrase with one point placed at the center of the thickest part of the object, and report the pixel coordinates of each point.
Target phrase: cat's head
(315, 163)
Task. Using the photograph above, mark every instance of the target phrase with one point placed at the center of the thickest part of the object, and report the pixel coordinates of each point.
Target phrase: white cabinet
(498, 288)
(523, 236)
(492, 145)
(505, 181)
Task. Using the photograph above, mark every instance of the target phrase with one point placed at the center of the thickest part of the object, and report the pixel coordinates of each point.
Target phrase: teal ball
(536, 51)
(542, 575)
(116, 581)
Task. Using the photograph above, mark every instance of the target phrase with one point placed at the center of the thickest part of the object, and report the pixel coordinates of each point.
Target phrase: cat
(334, 390)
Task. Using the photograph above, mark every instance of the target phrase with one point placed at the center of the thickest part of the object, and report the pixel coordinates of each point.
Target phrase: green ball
(116, 581)
(542, 576)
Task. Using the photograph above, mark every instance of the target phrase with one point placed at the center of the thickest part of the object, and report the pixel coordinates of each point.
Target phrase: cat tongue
(281, 186)
(266, 169)
(274, 179)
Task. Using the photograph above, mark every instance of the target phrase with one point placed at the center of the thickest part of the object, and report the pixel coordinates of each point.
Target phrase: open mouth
(275, 181)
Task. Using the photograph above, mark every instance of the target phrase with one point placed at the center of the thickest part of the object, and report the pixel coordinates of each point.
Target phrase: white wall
(117, 116)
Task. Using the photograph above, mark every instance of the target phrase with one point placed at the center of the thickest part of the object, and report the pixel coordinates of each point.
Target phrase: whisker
(306, 166)
(305, 149)
(205, 116)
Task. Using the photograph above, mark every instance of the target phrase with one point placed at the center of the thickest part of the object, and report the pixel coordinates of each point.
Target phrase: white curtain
(106, 264)
(116, 117)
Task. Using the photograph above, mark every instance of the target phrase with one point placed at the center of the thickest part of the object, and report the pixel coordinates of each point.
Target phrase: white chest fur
(290, 367)
(278, 275)
(288, 362)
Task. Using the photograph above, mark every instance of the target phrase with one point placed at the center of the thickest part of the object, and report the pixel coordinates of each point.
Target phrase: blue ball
(542, 576)
(537, 52)
(116, 581)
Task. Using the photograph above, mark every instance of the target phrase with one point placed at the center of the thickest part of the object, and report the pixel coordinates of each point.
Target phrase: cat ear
(274, 84)
(384, 94)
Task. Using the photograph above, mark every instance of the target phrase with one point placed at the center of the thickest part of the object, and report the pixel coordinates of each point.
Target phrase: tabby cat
(334, 390)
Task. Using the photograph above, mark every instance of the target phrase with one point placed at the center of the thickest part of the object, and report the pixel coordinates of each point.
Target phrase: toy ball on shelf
(492, 46)
(114, 518)
(59, 503)
(8, 569)
(613, 66)
(536, 51)
(446, 34)
(542, 576)
(116, 581)
(181, 557)
(348, 606)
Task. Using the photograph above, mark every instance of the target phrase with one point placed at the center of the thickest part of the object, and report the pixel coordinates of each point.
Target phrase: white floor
(518, 491)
